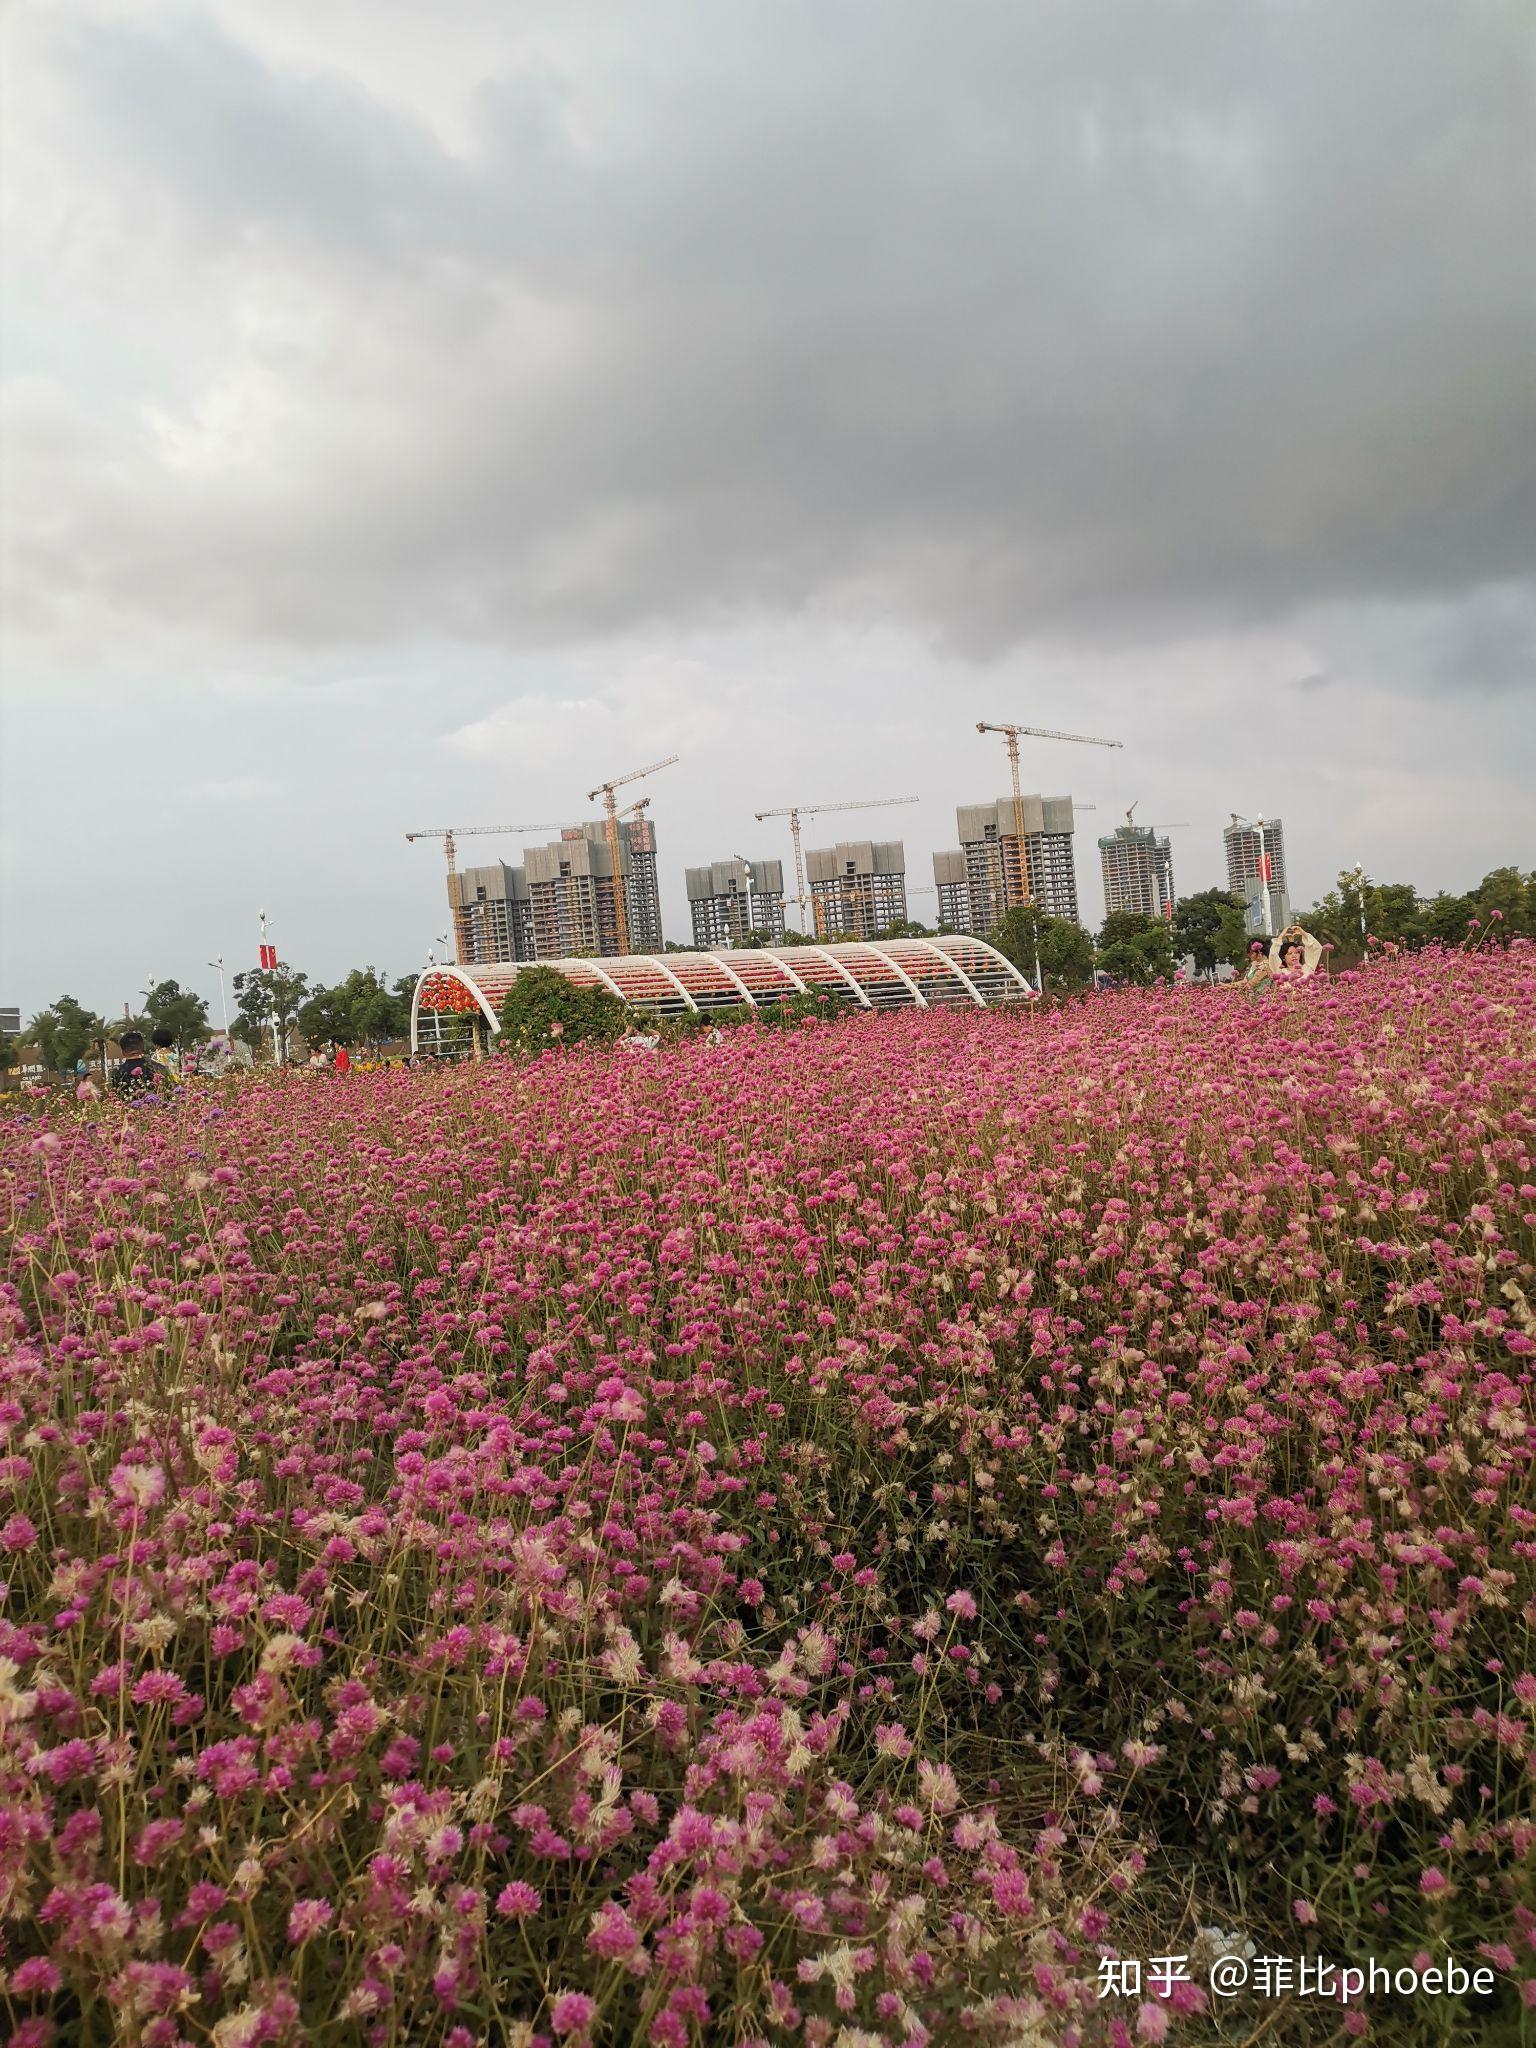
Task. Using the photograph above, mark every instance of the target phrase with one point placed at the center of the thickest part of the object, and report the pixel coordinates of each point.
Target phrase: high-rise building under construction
(571, 891)
(495, 917)
(858, 887)
(560, 903)
(731, 901)
(995, 866)
(1137, 868)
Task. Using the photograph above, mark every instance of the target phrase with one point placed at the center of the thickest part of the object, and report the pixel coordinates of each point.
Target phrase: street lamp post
(1359, 873)
(218, 967)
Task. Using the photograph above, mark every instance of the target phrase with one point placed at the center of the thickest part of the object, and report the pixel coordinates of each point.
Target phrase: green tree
(362, 1010)
(75, 1034)
(173, 1008)
(43, 1032)
(1135, 948)
(907, 928)
(1512, 896)
(1061, 950)
(1209, 926)
(1446, 918)
(543, 1008)
(268, 998)
(1392, 913)
(8, 1052)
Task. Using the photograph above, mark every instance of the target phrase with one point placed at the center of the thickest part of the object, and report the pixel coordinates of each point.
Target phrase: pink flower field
(822, 1538)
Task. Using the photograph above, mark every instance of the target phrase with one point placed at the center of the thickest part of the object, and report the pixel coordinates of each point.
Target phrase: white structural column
(887, 955)
(822, 954)
(954, 967)
(662, 968)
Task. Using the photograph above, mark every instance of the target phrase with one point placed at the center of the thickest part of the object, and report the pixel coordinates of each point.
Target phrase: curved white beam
(954, 967)
(454, 974)
(780, 962)
(662, 968)
(887, 955)
(857, 987)
(1001, 958)
(732, 976)
(596, 967)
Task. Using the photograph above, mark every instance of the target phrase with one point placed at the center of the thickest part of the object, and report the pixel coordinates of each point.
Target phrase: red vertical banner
(269, 956)
(1263, 867)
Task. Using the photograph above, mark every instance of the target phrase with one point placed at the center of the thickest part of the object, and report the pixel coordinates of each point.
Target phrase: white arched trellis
(955, 968)
(725, 967)
(986, 975)
(662, 968)
(887, 955)
(822, 954)
(464, 981)
(596, 968)
(993, 954)
(783, 966)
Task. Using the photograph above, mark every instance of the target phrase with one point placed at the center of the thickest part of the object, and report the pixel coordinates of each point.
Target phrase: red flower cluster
(445, 992)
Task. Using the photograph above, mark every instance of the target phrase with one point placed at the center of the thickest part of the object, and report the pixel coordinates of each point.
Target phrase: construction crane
(1011, 735)
(611, 819)
(795, 812)
(448, 835)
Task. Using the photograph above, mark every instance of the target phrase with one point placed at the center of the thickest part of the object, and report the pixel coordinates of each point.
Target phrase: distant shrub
(543, 1008)
(812, 1007)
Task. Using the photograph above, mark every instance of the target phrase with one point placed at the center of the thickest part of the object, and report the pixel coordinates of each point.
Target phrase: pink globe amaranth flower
(572, 2012)
(37, 1976)
(1305, 1912)
(1432, 1881)
(518, 1900)
(307, 1918)
(19, 1533)
(1152, 2021)
(962, 1605)
(1091, 1234)
(137, 1486)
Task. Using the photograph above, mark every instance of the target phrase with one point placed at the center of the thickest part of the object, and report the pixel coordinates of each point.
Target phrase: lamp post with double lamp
(1359, 879)
(746, 869)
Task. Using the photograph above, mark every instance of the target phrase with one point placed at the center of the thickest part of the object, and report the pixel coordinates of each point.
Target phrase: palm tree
(43, 1032)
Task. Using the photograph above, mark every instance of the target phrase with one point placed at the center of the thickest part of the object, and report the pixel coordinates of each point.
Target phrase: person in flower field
(136, 1074)
(343, 1058)
(1261, 970)
(1296, 953)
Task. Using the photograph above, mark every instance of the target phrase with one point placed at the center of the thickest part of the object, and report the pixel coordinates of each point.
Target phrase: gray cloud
(1086, 320)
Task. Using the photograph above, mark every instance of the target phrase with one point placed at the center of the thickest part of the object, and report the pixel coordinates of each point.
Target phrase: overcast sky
(414, 413)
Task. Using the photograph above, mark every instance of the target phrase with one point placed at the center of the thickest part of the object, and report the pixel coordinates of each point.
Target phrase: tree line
(362, 1009)
(365, 1009)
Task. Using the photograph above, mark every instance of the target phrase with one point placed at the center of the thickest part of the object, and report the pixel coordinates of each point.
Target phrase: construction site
(591, 892)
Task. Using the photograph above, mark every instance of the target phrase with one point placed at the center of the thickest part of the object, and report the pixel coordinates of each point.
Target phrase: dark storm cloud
(1074, 320)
